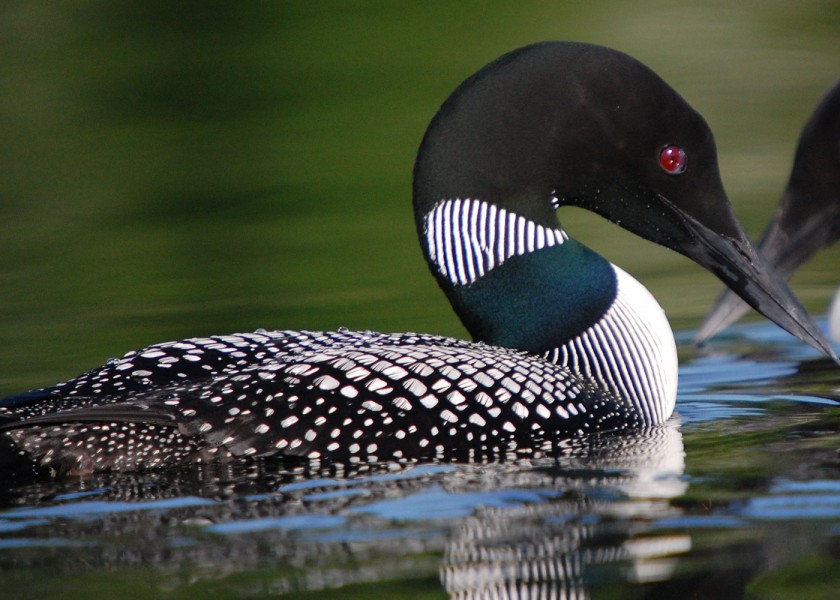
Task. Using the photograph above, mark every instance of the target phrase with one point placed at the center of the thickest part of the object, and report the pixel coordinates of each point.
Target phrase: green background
(180, 169)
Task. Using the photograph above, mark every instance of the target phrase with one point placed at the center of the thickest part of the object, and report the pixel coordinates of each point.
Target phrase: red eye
(672, 159)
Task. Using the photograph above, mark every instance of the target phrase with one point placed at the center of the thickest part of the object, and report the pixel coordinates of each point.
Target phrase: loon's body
(340, 396)
(565, 342)
(808, 216)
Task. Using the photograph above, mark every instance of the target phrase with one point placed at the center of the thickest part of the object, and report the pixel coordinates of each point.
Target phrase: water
(171, 172)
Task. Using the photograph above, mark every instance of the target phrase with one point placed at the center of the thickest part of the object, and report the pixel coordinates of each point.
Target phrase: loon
(566, 344)
(808, 216)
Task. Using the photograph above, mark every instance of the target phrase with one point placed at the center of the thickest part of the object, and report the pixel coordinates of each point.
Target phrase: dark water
(196, 168)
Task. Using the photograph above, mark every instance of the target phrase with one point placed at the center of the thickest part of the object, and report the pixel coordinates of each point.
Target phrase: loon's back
(343, 396)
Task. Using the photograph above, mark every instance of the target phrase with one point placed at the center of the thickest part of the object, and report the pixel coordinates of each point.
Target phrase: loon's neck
(524, 284)
(512, 280)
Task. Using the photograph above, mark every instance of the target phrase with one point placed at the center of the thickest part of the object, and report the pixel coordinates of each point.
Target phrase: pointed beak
(787, 243)
(737, 263)
(729, 307)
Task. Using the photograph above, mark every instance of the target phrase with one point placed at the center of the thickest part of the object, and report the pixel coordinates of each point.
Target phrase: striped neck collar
(468, 238)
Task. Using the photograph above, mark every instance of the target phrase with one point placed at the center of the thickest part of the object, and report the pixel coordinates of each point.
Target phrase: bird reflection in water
(544, 526)
(601, 526)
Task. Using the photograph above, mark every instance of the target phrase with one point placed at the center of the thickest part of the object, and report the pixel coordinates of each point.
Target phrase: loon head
(808, 216)
(556, 124)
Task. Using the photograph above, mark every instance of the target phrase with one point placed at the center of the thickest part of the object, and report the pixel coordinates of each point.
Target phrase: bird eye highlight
(672, 159)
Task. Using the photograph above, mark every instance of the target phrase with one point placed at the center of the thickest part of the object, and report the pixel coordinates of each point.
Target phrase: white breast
(630, 352)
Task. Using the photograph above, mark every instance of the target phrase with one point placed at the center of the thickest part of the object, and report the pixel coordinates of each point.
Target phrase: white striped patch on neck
(630, 352)
(467, 238)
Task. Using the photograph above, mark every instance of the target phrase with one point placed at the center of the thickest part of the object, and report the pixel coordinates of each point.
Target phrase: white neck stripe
(468, 238)
(630, 352)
